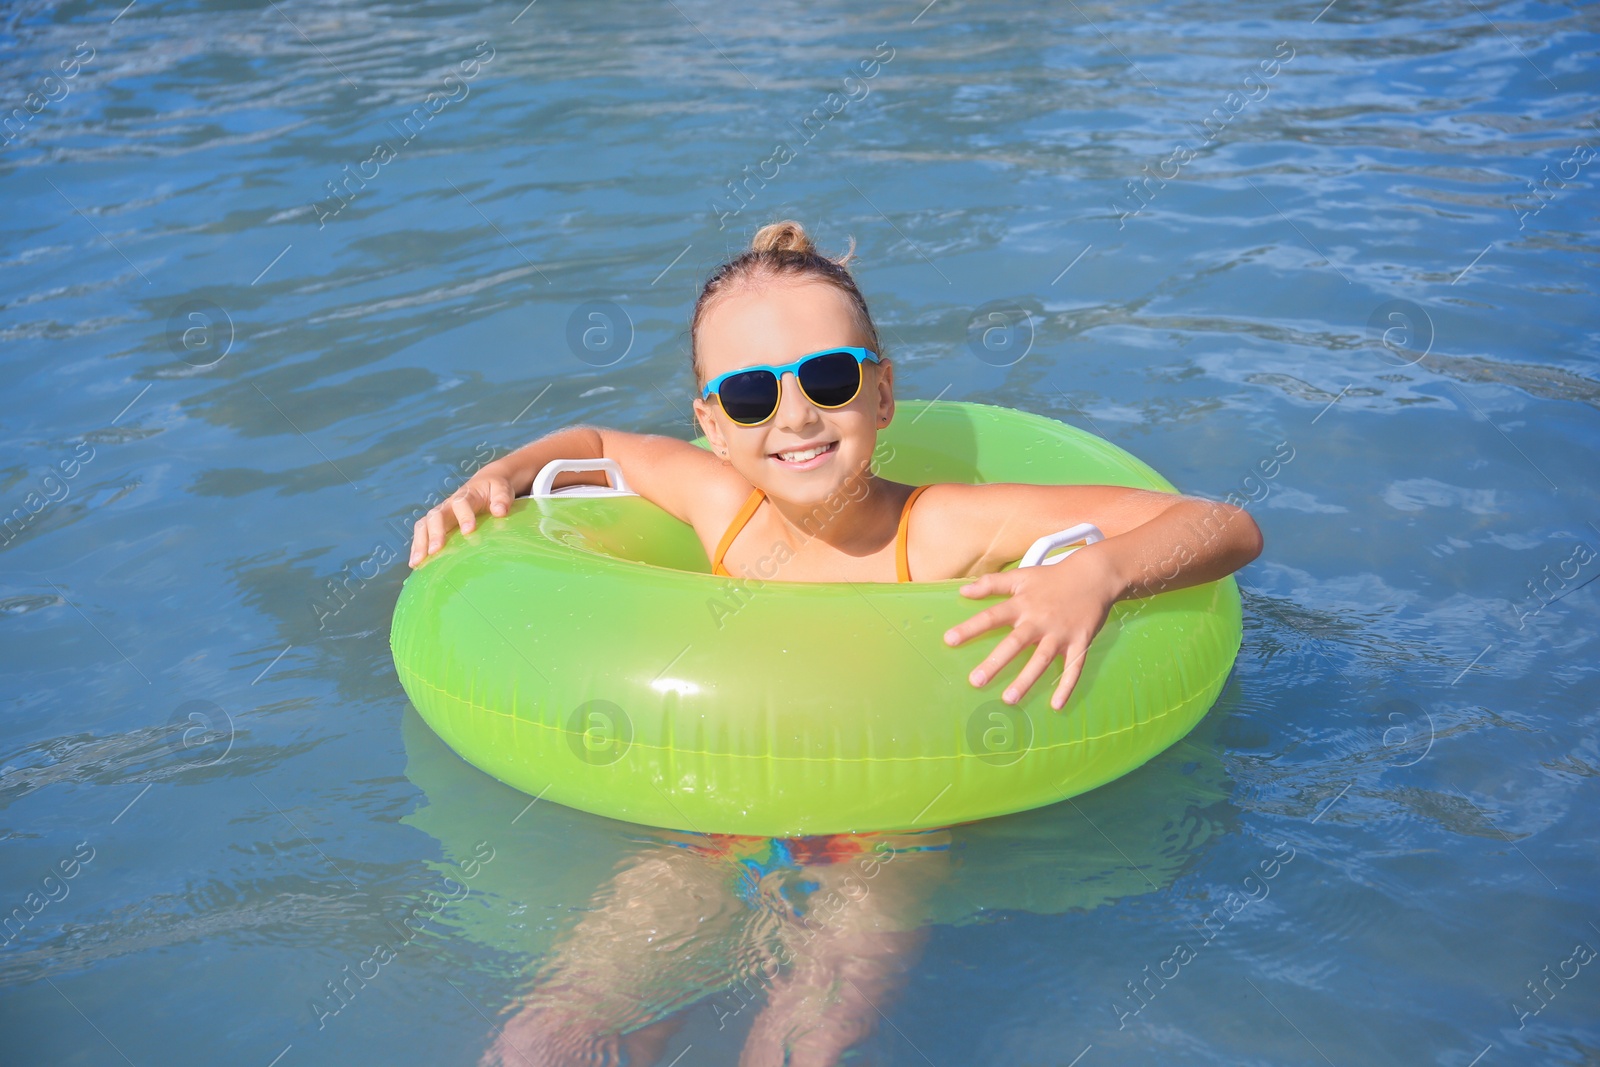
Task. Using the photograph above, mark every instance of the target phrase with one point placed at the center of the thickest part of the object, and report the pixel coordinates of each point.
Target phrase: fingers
(429, 532)
(1069, 677)
(419, 541)
(990, 584)
(1042, 657)
(1008, 647)
(500, 496)
(439, 522)
(460, 509)
(982, 622)
(1056, 628)
(466, 516)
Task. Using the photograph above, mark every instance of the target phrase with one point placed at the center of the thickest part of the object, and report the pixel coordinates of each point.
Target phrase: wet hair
(779, 251)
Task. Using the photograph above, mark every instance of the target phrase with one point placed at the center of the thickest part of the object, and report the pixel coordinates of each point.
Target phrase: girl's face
(776, 322)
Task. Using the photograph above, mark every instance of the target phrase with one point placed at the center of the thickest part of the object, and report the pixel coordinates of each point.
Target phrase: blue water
(1355, 287)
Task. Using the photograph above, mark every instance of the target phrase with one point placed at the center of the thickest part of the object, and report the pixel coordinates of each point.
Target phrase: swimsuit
(759, 857)
(901, 565)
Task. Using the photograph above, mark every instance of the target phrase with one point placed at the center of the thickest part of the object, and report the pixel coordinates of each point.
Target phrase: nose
(795, 412)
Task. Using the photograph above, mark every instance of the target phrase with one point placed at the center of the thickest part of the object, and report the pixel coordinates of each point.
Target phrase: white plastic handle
(1087, 532)
(547, 477)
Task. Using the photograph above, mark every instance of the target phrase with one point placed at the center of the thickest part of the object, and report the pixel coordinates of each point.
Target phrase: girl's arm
(1190, 542)
(675, 475)
(1155, 542)
(515, 473)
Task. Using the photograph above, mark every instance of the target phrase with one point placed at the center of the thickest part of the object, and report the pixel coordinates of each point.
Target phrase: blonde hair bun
(790, 236)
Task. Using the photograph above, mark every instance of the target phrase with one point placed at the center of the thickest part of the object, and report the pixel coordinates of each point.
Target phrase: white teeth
(801, 457)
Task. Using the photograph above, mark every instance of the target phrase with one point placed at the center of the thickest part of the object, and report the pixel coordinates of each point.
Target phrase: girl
(791, 390)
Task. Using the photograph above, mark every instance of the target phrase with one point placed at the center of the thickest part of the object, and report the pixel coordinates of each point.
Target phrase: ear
(885, 393)
(708, 425)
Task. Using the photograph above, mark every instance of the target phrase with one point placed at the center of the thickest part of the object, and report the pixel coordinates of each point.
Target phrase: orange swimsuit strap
(902, 565)
(748, 509)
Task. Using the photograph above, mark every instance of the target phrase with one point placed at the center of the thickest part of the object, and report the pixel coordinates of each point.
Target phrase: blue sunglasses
(829, 379)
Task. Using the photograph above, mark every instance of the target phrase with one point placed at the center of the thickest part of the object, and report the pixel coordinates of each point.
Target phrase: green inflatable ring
(579, 650)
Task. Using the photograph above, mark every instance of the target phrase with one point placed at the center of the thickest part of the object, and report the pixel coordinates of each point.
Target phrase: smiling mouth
(804, 457)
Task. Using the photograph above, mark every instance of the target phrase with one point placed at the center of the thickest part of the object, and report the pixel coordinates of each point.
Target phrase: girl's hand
(1059, 607)
(489, 488)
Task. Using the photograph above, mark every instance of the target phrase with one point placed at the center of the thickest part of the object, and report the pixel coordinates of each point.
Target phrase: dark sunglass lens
(750, 397)
(831, 380)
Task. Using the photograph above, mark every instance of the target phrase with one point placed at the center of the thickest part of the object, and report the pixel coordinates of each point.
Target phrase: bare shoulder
(980, 528)
(683, 479)
(945, 535)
